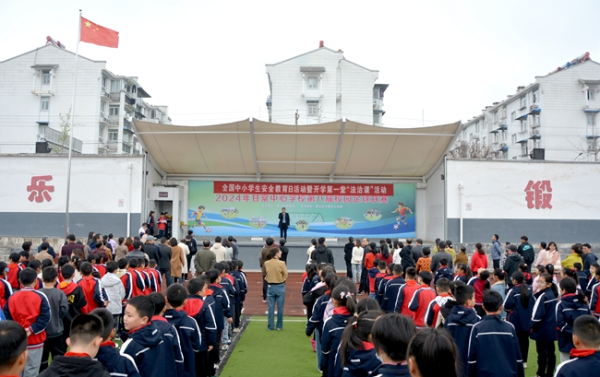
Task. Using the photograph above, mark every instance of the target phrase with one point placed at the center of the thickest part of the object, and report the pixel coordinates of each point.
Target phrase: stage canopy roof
(258, 150)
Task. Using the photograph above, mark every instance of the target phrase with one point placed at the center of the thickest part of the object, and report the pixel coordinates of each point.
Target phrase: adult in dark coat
(284, 223)
(348, 256)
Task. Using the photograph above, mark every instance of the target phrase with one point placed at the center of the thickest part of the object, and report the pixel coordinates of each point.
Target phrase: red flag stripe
(98, 35)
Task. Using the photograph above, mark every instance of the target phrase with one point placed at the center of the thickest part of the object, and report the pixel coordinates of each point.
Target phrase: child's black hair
(122, 263)
(453, 285)
(196, 285)
(176, 295)
(572, 274)
(143, 305)
(548, 280)
(112, 266)
(443, 285)
(159, 302)
(523, 267)
(343, 297)
(499, 273)
(411, 273)
(367, 303)
(444, 262)
(484, 275)
(240, 264)
(49, 274)
(14, 257)
(492, 301)
(67, 271)
(570, 286)
(63, 261)
(331, 280)
(426, 251)
(519, 277)
(397, 271)
(426, 276)
(108, 322)
(85, 328)
(35, 264)
(466, 269)
(91, 258)
(13, 342)
(152, 263)
(86, 269)
(3, 267)
(133, 263)
(96, 274)
(587, 329)
(463, 293)
(382, 265)
(435, 353)
(213, 275)
(311, 270)
(27, 276)
(356, 332)
(577, 266)
(391, 334)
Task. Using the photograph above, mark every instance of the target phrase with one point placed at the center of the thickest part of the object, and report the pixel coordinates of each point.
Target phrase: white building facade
(35, 102)
(322, 86)
(555, 118)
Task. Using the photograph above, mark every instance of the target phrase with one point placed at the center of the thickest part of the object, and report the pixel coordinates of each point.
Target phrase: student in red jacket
(98, 265)
(133, 281)
(13, 271)
(30, 309)
(480, 283)
(13, 342)
(95, 295)
(422, 298)
(406, 293)
(155, 276)
(5, 288)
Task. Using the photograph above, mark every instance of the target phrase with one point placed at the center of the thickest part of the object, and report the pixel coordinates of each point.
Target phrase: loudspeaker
(538, 154)
(42, 147)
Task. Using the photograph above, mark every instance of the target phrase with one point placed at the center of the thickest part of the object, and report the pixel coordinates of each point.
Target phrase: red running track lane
(293, 298)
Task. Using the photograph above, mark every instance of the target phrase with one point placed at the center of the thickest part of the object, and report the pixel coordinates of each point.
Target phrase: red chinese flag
(98, 35)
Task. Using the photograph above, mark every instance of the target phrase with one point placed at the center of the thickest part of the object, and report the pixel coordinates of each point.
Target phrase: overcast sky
(206, 59)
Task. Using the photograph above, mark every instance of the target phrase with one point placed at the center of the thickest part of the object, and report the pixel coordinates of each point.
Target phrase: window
(115, 85)
(592, 144)
(313, 108)
(524, 125)
(591, 95)
(312, 83)
(591, 119)
(495, 116)
(513, 116)
(524, 149)
(477, 126)
(504, 135)
(113, 135)
(45, 77)
(102, 109)
(536, 96)
(523, 101)
(485, 141)
(105, 81)
(514, 138)
(45, 104)
(536, 120)
(113, 110)
(495, 137)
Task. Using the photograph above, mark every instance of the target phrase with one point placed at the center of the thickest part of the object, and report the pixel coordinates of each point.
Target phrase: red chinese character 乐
(38, 189)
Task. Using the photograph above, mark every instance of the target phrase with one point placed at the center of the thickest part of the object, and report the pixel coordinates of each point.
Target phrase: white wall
(496, 189)
(98, 184)
(435, 206)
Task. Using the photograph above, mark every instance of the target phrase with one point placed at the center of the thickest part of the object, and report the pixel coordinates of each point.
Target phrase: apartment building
(35, 104)
(322, 86)
(554, 118)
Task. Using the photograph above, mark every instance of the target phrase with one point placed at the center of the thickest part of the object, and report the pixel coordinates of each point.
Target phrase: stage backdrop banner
(315, 209)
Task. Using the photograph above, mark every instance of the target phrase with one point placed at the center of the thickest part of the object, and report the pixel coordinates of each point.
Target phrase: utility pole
(296, 117)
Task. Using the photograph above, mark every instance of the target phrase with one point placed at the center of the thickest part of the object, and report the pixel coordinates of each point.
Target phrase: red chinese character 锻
(538, 194)
(38, 189)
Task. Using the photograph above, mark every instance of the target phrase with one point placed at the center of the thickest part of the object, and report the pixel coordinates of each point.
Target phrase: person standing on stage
(284, 223)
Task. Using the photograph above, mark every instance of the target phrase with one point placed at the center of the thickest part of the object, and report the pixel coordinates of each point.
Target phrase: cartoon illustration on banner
(335, 210)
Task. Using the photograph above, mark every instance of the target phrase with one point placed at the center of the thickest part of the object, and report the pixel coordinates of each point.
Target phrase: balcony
(377, 105)
(126, 148)
(104, 120)
(58, 139)
(535, 134)
(127, 125)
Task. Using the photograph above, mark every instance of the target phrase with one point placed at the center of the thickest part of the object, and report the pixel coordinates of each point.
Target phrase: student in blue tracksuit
(389, 275)
(108, 354)
(169, 332)
(391, 334)
(356, 356)
(519, 305)
(572, 305)
(145, 343)
(317, 319)
(543, 325)
(586, 355)
(187, 327)
(460, 322)
(344, 308)
(222, 309)
(494, 347)
(242, 282)
(200, 307)
(391, 289)
(428, 345)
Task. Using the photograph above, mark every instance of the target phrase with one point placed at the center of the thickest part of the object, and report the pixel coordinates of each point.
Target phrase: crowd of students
(431, 313)
(85, 305)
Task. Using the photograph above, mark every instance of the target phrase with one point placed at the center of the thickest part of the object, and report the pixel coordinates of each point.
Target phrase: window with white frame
(495, 116)
(513, 116)
(113, 135)
(591, 95)
(313, 109)
(313, 83)
(592, 144)
(524, 125)
(46, 77)
(115, 85)
(524, 149)
(477, 126)
(105, 82)
(45, 104)
(591, 119)
(523, 101)
(536, 96)
(495, 137)
(536, 120)
(102, 109)
(504, 135)
(514, 138)
(113, 110)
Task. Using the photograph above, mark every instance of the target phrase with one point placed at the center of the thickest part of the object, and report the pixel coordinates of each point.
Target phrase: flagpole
(71, 127)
